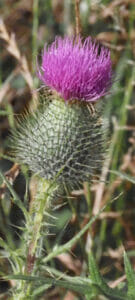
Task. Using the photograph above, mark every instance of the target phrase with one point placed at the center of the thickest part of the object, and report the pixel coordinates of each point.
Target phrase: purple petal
(76, 69)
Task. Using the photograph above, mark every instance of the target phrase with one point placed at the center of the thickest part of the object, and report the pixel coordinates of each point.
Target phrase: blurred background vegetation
(24, 28)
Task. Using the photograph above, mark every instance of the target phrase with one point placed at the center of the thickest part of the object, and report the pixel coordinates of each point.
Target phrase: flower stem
(33, 235)
(41, 203)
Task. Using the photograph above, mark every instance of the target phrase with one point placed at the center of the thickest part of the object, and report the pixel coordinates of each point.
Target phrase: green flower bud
(61, 141)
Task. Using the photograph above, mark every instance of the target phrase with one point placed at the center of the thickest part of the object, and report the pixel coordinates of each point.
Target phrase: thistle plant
(63, 141)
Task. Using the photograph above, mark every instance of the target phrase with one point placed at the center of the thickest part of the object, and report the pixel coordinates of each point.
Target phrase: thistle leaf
(130, 278)
(76, 284)
(124, 176)
(100, 282)
(16, 198)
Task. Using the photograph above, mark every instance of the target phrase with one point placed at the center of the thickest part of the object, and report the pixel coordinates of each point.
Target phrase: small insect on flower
(76, 69)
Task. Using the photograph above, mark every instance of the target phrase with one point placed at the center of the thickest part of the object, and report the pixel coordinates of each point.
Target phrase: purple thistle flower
(76, 69)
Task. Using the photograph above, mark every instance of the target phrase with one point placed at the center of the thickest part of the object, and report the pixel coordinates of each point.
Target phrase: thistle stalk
(37, 214)
(33, 236)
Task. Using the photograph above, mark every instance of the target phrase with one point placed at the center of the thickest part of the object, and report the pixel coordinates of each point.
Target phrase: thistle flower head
(76, 69)
(62, 141)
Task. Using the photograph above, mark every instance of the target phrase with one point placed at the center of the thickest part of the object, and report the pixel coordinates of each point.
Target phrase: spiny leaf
(67, 246)
(76, 285)
(4, 245)
(100, 283)
(41, 289)
(130, 278)
(4, 113)
(124, 176)
(16, 199)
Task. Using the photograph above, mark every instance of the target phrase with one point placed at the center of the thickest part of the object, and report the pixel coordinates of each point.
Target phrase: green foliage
(100, 282)
(130, 274)
(124, 176)
(15, 198)
(31, 247)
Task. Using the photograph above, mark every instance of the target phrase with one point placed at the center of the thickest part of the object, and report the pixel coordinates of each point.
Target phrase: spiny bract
(62, 141)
